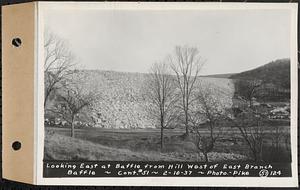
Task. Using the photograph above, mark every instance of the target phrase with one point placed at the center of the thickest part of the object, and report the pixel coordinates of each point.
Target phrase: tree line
(59, 75)
(178, 97)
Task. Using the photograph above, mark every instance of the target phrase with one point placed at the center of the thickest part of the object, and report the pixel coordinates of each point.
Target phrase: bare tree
(208, 116)
(251, 123)
(71, 102)
(247, 89)
(160, 91)
(58, 63)
(186, 64)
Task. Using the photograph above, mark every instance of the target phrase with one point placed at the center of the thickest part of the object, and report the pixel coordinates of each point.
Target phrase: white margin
(40, 94)
(35, 94)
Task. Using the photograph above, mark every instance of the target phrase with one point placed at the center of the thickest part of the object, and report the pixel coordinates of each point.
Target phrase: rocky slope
(121, 99)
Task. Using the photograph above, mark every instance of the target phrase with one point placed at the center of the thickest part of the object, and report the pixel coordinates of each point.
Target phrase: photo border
(166, 181)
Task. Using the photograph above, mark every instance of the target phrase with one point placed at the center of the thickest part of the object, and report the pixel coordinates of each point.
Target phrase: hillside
(61, 147)
(226, 76)
(276, 73)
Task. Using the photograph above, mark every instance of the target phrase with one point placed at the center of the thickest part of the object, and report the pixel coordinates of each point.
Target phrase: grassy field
(141, 145)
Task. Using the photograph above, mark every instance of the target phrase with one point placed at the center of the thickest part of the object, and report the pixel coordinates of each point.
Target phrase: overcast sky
(229, 41)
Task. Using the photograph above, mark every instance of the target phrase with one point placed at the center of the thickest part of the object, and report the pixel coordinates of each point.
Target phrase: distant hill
(226, 76)
(276, 73)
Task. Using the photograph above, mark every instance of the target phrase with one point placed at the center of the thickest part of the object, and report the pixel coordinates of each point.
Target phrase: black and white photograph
(209, 86)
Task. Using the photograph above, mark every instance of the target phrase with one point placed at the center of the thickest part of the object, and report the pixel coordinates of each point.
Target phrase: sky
(230, 41)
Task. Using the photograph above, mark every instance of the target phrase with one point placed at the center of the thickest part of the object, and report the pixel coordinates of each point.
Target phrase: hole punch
(16, 42)
(16, 145)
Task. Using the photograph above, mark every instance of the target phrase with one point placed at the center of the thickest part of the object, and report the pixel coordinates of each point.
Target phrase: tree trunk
(206, 156)
(46, 98)
(187, 132)
(254, 155)
(72, 128)
(161, 139)
(250, 103)
(261, 152)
